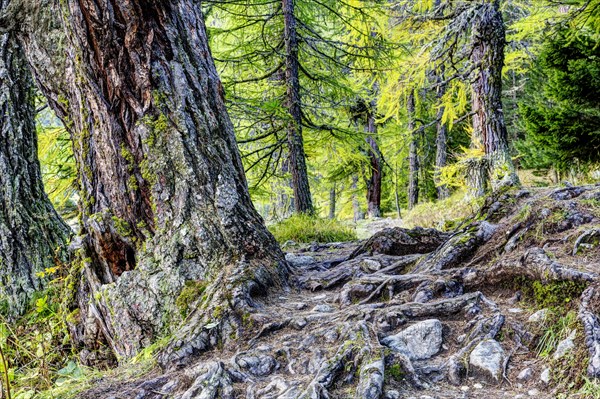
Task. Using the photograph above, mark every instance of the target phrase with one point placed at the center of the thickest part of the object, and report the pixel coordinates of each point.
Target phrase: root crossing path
(420, 314)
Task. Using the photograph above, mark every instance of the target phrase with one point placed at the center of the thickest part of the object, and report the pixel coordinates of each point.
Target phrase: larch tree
(32, 235)
(165, 204)
(468, 49)
(413, 155)
(286, 69)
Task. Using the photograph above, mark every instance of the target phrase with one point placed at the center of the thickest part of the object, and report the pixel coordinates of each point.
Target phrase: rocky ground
(503, 307)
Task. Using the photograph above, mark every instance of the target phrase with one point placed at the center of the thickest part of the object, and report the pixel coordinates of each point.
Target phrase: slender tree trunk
(32, 235)
(332, 201)
(164, 198)
(358, 214)
(413, 157)
(376, 158)
(489, 128)
(302, 197)
(441, 141)
(396, 191)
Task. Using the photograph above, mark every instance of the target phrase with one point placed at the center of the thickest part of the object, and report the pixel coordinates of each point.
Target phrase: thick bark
(302, 197)
(32, 235)
(164, 197)
(376, 159)
(413, 157)
(441, 141)
(489, 128)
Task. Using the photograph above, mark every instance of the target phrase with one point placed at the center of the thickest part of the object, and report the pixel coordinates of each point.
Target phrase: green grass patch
(307, 229)
(445, 215)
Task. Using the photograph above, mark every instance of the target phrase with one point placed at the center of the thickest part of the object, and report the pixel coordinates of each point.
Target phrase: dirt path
(326, 336)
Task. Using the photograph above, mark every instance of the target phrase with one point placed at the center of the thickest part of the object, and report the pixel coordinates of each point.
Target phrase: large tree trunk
(32, 235)
(164, 197)
(302, 198)
(413, 156)
(376, 159)
(441, 141)
(489, 129)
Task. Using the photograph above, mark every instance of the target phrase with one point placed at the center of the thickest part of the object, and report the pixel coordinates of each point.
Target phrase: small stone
(477, 386)
(427, 397)
(299, 260)
(539, 316)
(525, 374)
(391, 394)
(420, 341)
(320, 297)
(371, 265)
(533, 392)
(299, 323)
(300, 306)
(545, 376)
(464, 388)
(516, 298)
(515, 310)
(488, 358)
(565, 346)
(324, 308)
(520, 396)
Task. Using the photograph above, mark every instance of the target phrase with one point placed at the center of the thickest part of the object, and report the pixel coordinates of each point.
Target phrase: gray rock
(565, 346)
(539, 316)
(545, 376)
(533, 392)
(488, 359)
(299, 260)
(391, 394)
(324, 308)
(525, 375)
(420, 341)
(257, 365)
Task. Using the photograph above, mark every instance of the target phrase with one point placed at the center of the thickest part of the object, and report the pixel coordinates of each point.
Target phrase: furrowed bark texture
(164, 197)
(376, 158)
(413, 156)
(32, 235)
(489, 128)
(302, 197)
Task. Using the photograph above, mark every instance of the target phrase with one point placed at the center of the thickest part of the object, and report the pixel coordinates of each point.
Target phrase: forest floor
(420, 314)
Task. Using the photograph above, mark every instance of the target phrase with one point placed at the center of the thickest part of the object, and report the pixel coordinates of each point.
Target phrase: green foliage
(561, 111)
(553, 294)
(306, 229)
(395, 371)
(446, 214)
(557, 327)
(58, 168)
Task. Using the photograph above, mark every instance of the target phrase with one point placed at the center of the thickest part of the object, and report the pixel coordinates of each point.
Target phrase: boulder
(420, 341)
(488, 359)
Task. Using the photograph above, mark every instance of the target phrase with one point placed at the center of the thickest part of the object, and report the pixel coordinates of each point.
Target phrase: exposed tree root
(326, 344)
(588, 314)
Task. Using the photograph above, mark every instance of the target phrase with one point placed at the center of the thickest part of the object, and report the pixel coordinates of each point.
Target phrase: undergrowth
(307, 229)
(444, 215)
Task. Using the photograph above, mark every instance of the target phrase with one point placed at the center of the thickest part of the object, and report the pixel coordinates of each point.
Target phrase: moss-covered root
(221, 313)
(360, 354)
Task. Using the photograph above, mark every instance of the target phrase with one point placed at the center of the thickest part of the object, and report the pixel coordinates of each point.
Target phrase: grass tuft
(307, 229)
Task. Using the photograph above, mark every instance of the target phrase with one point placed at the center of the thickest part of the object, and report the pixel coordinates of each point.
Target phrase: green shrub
(306, 229)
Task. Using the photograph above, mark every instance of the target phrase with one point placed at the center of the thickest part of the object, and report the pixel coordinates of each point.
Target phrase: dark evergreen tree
(561, 109)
